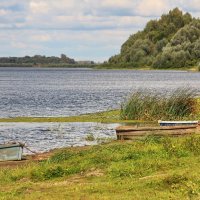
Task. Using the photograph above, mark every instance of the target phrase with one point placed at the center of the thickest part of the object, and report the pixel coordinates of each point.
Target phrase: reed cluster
(179, 104)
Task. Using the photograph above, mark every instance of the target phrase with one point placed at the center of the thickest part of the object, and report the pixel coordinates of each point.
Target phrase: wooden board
(134, 128)
(128, 132)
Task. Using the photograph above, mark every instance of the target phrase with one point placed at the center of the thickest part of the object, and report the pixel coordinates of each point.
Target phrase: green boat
(11, 152)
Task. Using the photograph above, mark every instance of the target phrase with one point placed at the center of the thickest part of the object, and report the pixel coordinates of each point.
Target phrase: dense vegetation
(178, 105)
(173, 41)
(159, 168)
(40, 61)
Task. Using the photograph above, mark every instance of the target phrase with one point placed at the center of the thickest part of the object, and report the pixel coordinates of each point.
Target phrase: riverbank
(97, 67)
(146, 68)
(112, 116)
(160, 168)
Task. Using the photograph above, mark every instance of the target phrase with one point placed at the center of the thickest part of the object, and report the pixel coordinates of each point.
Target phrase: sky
(81, 29)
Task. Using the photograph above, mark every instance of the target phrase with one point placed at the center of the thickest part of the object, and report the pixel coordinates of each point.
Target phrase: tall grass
(180, 104)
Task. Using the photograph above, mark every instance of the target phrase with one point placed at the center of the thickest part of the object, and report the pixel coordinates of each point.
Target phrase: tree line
(42, 61)
(173, 41)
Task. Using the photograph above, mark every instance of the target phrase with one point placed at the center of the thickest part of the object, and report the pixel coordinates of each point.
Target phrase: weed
(90, 137)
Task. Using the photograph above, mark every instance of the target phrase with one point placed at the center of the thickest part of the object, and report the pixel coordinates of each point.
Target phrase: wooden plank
(124, 133)
(165, 132)
(130, 128)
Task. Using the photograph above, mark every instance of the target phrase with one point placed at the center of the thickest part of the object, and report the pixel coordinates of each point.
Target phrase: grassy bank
(156, 168)
(112, 116)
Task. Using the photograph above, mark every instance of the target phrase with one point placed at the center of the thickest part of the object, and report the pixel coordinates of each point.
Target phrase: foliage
(37, 59)
(42, 61)
(183, 50)
(173, 41)
(180, 104)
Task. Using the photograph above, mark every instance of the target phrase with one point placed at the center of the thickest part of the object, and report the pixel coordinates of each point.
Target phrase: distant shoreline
(95, 66)
(47, 65)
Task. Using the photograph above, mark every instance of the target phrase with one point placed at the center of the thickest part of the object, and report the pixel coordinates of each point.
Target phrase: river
(67, 92)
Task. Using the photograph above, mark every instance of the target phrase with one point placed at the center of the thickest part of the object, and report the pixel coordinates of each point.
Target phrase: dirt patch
(153, 176)
(28, 159)
(80, 179)
(96, 173)
(37, 157)
(12, 164)
(40, 157)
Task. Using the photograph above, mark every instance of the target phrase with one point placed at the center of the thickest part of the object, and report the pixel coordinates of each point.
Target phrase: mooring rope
(34, 152)
(23, 145)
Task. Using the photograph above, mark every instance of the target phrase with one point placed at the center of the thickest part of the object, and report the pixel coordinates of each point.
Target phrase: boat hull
(129, 133)
(11, 152)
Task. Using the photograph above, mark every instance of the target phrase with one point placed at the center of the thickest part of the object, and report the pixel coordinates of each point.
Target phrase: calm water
(65, 92)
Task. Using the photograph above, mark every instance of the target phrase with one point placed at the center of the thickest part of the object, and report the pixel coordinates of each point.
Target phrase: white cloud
(152, 7)
(6, 3)
(41, 37)
(39, 7)
(116, 3)
(3, 12)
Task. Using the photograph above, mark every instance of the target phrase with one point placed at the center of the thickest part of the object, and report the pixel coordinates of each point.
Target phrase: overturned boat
(11, 151)
(133, 132)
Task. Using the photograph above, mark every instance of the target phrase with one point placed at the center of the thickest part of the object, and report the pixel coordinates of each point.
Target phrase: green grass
(111, 116)
(179, 105)
(156, 168)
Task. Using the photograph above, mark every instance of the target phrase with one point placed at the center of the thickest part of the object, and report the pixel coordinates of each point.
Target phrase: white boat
(177, 123)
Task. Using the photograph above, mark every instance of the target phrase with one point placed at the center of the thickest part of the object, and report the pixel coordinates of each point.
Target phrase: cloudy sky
(82, 29)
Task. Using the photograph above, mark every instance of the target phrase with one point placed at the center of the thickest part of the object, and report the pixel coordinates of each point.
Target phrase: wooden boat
(177, 123)
(132, 132)
(10, 152)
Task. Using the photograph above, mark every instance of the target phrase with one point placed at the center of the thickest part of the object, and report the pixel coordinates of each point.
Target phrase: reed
(179, 104)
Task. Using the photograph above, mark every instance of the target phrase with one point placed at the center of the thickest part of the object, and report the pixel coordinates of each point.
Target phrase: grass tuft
(180, 104)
